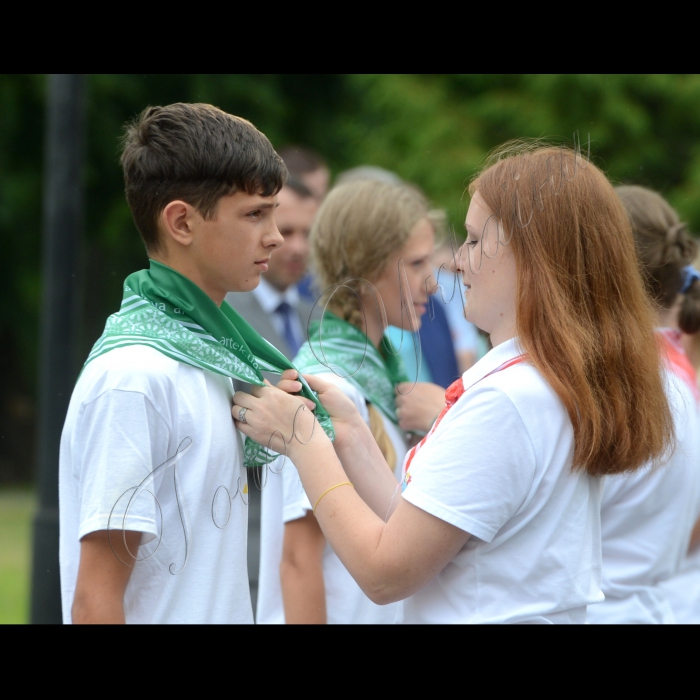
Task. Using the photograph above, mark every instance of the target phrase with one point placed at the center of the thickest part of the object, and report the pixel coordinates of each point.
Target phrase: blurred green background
(433, 130)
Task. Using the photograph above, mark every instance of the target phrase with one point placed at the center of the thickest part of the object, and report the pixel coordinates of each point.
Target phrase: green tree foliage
(433, 130)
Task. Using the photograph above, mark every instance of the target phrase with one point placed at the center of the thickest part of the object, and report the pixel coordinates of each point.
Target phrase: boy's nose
(274, 239)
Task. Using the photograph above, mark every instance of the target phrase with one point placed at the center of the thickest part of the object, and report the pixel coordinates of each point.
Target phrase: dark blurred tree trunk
(62, 234)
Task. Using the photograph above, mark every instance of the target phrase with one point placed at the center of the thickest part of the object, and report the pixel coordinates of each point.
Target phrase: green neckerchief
(339, 347)
(164, 310)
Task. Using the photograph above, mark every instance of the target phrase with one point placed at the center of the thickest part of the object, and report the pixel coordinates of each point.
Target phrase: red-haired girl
(497, 518)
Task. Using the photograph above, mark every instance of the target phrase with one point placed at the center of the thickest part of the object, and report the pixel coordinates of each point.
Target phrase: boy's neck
(193, 274)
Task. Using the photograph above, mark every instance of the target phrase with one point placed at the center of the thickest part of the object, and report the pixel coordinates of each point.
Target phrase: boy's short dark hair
(196, 153)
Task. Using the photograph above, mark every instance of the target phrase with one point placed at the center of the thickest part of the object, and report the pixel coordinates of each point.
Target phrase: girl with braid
(372, 247)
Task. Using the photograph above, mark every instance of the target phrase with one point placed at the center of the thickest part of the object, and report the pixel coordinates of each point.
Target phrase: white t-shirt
(498, 466)
(683, 590)
(284, 500)
(646, 521)
(129, 412)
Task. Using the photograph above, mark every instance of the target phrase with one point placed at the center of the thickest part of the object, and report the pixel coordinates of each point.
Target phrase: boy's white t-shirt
(284, 500)
(130, 410)
(498, 466)
(646, 521)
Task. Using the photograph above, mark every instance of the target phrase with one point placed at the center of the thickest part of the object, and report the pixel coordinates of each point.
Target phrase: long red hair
(583, 316)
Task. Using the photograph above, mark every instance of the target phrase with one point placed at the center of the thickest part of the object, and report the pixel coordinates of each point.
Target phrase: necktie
(437, 346)
(285, 312)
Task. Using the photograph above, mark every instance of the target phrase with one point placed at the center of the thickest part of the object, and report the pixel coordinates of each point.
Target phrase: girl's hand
(288, 381)
(346, 419)
(417, 406)
(274, 418)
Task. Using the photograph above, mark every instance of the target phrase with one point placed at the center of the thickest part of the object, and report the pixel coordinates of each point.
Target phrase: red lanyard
(452, 395)
(676, 360)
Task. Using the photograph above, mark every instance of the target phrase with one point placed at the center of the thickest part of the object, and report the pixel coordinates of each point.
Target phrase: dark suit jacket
(248, 306)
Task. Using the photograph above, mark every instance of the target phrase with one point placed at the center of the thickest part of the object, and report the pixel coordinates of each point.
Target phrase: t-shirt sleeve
(121, 439)
(296, 502)
(477, 468)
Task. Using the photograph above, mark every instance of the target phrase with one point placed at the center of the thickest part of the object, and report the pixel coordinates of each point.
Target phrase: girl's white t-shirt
(683, 590)
(131, 410)
(498, 466)
(646, 521)
(284, 500)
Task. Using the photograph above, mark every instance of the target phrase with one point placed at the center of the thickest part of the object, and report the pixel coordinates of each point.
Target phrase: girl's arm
(389, 560)
(301, 572)
(418, 405)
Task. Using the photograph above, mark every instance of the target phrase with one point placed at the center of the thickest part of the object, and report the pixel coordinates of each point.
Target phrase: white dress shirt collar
(270, 298)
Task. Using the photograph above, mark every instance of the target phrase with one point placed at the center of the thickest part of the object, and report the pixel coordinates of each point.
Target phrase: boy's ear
(177, 221)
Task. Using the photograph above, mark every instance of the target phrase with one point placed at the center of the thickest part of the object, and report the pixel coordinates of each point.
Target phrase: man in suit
(277, 311)
(308, 166)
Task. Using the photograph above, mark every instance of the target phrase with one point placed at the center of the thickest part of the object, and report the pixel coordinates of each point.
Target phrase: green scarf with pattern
(337, 346)
(164, 310)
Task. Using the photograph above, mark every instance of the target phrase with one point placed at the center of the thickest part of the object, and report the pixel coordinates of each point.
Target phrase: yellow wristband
(318, 500)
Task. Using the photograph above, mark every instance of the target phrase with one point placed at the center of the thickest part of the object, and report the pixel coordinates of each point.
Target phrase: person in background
(278, 312)
(449, 344)
(368, 172)
(683, 589)
(362, 230)
(429, 355)
(305, 164)
(647, 517)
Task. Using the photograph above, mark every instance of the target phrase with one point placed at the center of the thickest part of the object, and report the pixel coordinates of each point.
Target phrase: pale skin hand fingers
(259, 392)
(274, 440)
(270, 413)
(241, 400)
(318, 385)
(346, 419)
(291, 386)
(333, 400)
(252, 429)
(418, 405)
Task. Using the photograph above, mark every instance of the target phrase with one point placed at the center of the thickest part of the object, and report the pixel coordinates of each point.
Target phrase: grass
(16, 513)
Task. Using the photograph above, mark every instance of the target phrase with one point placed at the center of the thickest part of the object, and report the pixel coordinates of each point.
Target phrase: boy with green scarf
(153, 489)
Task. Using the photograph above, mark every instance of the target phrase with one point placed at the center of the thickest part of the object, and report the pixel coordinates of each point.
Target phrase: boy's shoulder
(135, 368)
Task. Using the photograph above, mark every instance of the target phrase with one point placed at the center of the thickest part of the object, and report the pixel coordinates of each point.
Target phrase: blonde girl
(372, 246)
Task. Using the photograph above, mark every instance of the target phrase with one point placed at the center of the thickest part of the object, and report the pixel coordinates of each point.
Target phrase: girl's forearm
(366, 467)
(352, 528)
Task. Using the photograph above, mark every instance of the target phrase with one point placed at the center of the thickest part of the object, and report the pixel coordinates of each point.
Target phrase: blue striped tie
(285, 311)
